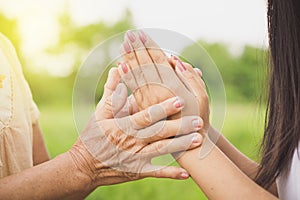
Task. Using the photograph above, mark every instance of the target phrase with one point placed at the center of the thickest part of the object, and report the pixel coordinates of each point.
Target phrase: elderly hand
(116, 148)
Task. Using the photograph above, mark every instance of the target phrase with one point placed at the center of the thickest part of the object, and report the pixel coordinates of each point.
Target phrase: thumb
(104, 107)
(113, 79)
(119, 100)
(110, 106)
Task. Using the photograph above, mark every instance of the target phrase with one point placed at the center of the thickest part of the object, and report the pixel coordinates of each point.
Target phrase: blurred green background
(243, 75)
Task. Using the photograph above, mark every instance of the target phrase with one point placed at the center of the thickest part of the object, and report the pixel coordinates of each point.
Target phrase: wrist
(214, 135)
(93, 170)
(83, 164)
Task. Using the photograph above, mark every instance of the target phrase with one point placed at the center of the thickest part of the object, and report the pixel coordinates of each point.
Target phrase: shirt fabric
(18, 113)
(289, 184)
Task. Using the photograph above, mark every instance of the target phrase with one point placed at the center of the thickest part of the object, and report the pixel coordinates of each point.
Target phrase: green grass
(242, 127)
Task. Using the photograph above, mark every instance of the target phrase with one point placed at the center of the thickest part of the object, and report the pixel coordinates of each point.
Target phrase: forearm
(219, 178)
(246, 165)
(39, 150)
(58, 178)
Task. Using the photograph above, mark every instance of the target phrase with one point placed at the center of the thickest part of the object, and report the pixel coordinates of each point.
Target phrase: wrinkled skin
(148, 65)
(119, 142)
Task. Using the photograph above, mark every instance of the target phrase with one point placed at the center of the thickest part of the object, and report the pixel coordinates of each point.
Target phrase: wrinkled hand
(151, 77)
(113, 150)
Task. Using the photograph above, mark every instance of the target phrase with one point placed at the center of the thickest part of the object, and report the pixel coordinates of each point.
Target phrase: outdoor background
(52, 39)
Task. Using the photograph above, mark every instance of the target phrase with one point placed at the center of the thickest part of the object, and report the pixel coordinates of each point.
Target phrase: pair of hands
(168, 110)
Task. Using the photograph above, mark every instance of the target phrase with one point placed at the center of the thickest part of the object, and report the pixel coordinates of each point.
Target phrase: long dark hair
(282, 129)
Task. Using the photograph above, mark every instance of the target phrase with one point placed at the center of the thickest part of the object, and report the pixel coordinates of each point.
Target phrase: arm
(219, 178)
(40, 153)
(89, 163)
(216, 174)
(55, 179)
(246, 165)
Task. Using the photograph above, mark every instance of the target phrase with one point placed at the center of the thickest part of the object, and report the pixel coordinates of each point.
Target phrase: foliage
(243, 75)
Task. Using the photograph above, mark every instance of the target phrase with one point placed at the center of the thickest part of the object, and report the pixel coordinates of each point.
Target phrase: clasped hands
(168, 112)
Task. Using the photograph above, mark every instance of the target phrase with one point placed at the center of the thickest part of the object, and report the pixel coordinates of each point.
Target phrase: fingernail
(199, 72)
(180, 65)
(197, 138)
(184, 175)
(124, 68)
(142, 36)
(178, 103)
(196, 123)
(131, 36)
(126, 47)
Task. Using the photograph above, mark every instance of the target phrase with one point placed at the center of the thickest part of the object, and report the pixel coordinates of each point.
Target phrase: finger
(104, 107)
(178, 144)
(128, 55)
(198, 71)
(191, 81)
(130, 58)
(156, 112)
(170, 128)
(166, 172)
(133, 107)
(184, 65)
(133, 80)
(110, 106)
(119, 99)
(129, 108)
(138, 47)
(143, 58)
(189, 71)
(173, 61)
(127, 76)
(188, 75)
(113, 80)
(177, 63)
(155, 52)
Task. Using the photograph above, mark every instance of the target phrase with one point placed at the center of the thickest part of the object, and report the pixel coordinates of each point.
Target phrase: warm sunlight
(39, 24)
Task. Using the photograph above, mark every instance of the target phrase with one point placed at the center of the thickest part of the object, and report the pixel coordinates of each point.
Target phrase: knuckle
(159, 148)
(157, 112)
(158, 57)
(141, 120)
(187, 65)
(163, 130)
(188, 75)
(143, 60)
(158, 173)
(138, 46)
(159, 129)
(147, 117)
(130, 56)
(134, 123)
